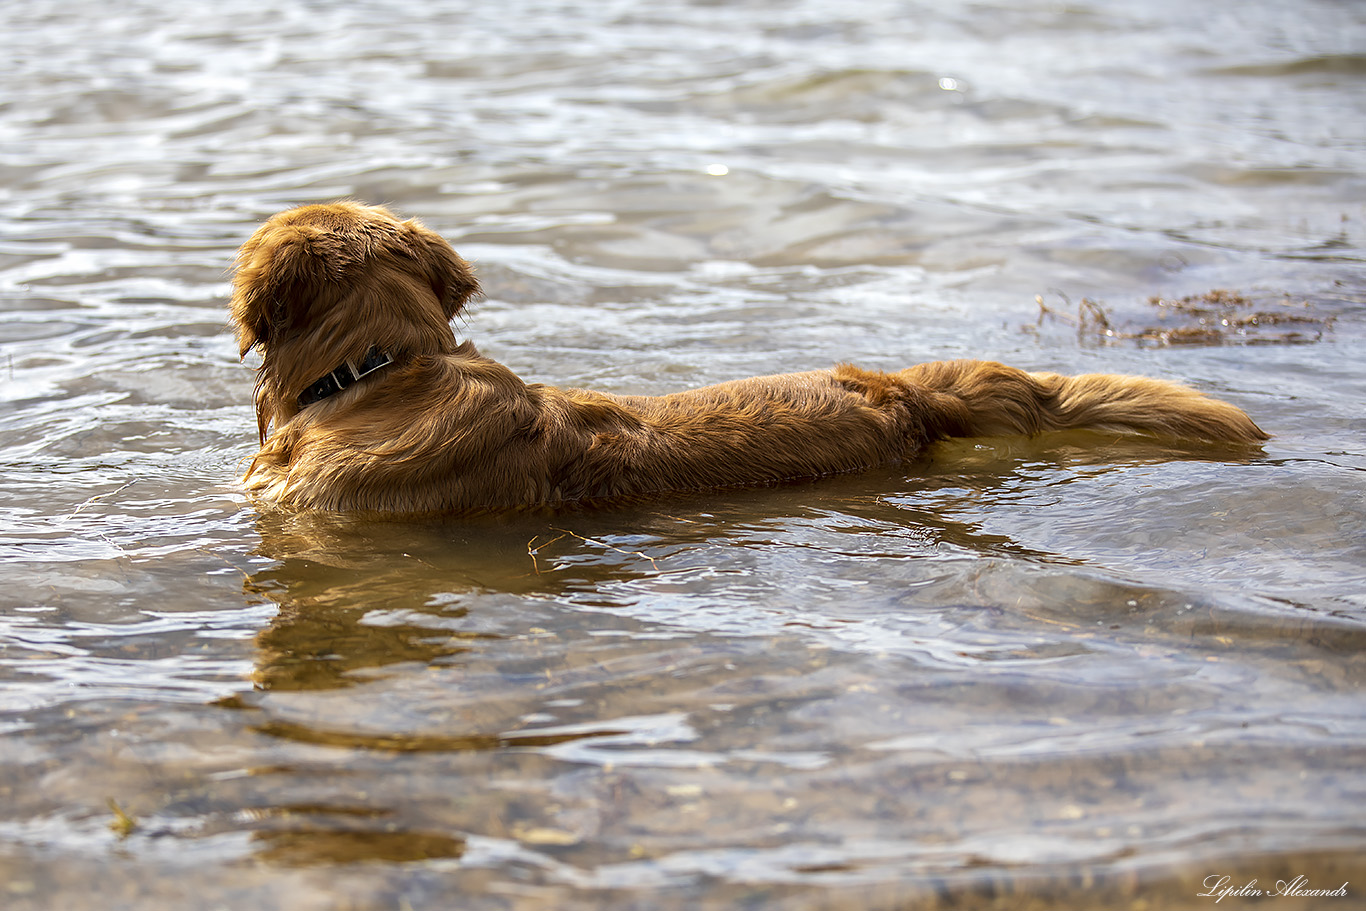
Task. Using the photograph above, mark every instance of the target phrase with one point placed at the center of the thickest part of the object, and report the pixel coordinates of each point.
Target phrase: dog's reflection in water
(356, 594)
(401, 648)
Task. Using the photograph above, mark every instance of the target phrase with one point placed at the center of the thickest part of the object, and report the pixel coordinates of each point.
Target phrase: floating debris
(1218, 317)
(123, 824)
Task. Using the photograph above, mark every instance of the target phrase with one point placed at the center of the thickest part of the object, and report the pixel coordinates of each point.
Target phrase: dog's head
(321, 285)
(344, 276)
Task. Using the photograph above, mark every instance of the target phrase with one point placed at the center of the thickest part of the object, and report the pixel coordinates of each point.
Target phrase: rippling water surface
(1056, 673)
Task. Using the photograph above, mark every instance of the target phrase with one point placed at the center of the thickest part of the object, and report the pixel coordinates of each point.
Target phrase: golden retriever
(365, 399)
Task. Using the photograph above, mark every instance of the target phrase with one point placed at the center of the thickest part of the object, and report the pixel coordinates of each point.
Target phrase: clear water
(1067, 673)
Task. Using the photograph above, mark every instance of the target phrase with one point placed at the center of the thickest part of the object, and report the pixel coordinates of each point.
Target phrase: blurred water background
(1067, 673)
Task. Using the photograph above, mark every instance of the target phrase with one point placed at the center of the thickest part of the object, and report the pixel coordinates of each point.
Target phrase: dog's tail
(981, 398)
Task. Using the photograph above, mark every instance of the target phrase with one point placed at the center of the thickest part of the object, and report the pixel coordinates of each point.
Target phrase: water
(1061, 673)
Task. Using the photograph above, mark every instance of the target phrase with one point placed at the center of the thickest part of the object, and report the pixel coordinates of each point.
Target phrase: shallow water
(1070, 672)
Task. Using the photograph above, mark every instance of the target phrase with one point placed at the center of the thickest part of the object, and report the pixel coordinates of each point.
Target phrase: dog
(366, 401)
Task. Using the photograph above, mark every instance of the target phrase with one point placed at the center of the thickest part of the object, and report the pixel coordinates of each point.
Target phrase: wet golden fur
(446, 429)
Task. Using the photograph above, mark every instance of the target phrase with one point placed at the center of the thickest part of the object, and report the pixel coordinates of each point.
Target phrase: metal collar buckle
(346, 374)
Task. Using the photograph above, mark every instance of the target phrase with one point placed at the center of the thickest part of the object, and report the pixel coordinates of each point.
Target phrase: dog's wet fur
(444, 429)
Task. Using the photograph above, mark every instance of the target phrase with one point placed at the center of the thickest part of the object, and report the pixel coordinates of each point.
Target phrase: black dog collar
(345, 375)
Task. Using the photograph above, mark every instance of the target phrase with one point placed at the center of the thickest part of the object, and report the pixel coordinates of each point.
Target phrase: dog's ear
(452, 278)
(279, 270)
